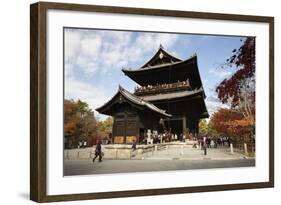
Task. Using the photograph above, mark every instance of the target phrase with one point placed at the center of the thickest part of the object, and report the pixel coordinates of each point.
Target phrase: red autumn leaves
(80, 124)
(239, 92)
(232, 123)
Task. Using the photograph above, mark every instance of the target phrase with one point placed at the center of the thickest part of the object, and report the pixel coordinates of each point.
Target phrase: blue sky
(94, 59)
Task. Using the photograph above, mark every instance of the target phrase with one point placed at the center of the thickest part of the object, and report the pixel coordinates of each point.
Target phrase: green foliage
(105, 127)
(212, 131)
(203, 127)
(206, 128)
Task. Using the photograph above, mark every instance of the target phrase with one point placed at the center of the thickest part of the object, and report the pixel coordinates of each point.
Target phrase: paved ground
(165, 160)
(188, 153)
(86, 167)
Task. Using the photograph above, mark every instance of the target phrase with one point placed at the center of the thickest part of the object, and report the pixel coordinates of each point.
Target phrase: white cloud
(68, 70)
(213, 103)
(90, 45)
(72, 44)
(220, 73)
(75, 90)
(149, 41)
(91, 51)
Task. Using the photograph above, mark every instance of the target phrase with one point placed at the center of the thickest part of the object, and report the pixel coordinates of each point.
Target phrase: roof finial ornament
(120, 87)
(161, 46)
(193, 55)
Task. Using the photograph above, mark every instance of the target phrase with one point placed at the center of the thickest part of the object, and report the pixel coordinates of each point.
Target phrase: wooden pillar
(113, 130)
(125, 127)
(187, 129)
(196, 128)
(138, 130)
(184, 125)
(190, 126)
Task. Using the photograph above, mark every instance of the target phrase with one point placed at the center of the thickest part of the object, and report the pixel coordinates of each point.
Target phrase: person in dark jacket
(98, 152)
(134, 145)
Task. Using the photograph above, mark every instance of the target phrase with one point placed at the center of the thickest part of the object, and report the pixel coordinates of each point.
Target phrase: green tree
(105, 127)
(212, 132)
(207, 128)
(203, 127)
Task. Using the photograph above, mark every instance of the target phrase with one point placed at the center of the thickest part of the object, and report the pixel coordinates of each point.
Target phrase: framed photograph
(135, 102)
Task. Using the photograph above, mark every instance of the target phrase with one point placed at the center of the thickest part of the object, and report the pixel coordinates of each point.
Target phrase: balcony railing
(162, 88)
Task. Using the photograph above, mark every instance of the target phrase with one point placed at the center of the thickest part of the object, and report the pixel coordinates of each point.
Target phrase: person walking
(98, 152)
(176, 137)
(134, 148)
(212, 144)
(134, 145)
(183, 137)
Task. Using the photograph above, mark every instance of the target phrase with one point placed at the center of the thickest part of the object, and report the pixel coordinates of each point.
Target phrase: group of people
(171, 137)
(203, 142)
(213, 142)
(155, 138)
(162, 86)
(82, 144)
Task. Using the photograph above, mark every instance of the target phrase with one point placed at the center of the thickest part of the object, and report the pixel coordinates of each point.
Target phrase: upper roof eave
(161, 49)
(136, 70)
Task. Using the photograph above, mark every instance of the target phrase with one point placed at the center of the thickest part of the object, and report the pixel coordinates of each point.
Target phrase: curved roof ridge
(160, 49)
(131, 97)
(158, 66)
(138, 100)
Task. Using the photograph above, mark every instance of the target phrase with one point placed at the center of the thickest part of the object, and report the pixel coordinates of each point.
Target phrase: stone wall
(119, 151)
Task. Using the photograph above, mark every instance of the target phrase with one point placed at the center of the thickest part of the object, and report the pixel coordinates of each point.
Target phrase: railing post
(182, 150)
(245, 149)
(231, 148)
(205, 149)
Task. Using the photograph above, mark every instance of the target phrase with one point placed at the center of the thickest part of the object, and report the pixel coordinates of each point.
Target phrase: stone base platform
(123, 151)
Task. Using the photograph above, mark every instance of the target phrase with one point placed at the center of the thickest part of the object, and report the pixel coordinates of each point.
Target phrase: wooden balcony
(162, 88)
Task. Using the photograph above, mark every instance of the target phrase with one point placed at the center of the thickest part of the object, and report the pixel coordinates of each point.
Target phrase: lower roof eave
(205, 115)
(184, 95)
